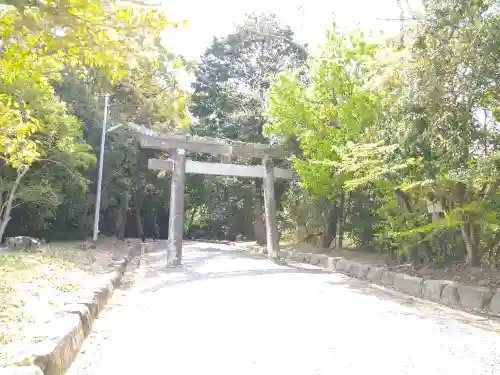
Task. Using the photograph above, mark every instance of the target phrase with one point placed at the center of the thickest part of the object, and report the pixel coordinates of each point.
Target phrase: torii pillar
(272, 235)
(176, 215)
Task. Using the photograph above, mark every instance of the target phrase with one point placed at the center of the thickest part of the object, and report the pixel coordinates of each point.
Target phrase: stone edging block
(85, 316)
(375, 274)
(342, 265)
(494, 308)
(332, 262)
(449, 296)
(408, 284)
(62, 338)
(358, 270)
(433, 289)
(319, 260)
(57, 350)
(475, 298)
(388, 279)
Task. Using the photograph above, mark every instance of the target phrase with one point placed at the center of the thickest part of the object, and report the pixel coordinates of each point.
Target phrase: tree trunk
(470, 244)
(83, 220)
(340, 221)
(259, 227)
(117, 215)
(1, 201)
(331, 227)
(5, 212)
(122, 218)
(3, 226)
(467, 227)
(138, 216)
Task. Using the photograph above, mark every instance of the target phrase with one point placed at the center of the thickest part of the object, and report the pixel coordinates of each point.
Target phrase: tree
(231, 86)
(43, 45)
(423, 126)
(39, 37)
(148, 96)
(333, 104)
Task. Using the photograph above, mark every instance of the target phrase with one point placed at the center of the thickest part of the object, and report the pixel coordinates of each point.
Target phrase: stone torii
(179, 166)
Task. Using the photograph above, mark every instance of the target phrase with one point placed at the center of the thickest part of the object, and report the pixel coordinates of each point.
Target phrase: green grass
(33, 286)
(14, 268)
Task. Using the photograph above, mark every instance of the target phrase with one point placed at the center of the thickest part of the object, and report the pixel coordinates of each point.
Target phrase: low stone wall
(148, 247)
(63, 337)
(477, 299)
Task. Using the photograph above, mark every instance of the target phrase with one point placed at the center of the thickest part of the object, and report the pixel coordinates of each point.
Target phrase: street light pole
(99, 177)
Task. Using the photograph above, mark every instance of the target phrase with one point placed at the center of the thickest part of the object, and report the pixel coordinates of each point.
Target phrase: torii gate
(179, 166)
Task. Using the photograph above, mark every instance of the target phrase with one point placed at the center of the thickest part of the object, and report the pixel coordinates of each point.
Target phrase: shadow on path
(187, 274)
(417, 307)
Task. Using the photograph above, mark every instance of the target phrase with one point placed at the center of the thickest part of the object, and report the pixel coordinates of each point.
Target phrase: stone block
(495, 305)
(313, 259)
(294, 257)
(342, 265)
(433, 289)
(84, 313)
(155, 246)
(474, 297)
(332, 262)
(108, 288)
(305, 257)
(375, 274)
(99, 295)
(121, 265)
(323, 260)
(387, 279)
(137, 248)
(357, 270)
(283, 254)
(408, 284)
(92, 302)
(319, 259)
(23, 243)
(115, 278)
(64, 338)
(449, 296)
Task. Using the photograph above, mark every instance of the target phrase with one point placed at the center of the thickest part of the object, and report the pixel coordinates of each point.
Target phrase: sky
(309, 19)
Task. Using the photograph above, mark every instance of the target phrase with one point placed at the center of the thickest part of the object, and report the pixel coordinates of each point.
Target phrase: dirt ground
(453, 272)
(34, 286)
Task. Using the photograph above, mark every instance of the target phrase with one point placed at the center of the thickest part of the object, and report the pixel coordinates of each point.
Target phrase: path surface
(227, 312)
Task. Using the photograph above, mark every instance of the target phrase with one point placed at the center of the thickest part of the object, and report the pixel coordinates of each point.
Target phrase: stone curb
(147, 247)
(62, 338)
(478, 299)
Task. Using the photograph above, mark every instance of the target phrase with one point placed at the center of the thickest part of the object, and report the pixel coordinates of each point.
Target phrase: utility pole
(99, 177)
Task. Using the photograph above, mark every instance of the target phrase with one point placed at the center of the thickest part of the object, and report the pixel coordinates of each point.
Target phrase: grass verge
(34, 287)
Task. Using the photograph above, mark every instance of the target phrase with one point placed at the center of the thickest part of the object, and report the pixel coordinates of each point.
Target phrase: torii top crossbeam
(158, 141)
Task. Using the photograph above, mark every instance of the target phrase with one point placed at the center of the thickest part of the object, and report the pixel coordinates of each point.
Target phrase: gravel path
(226, 312)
